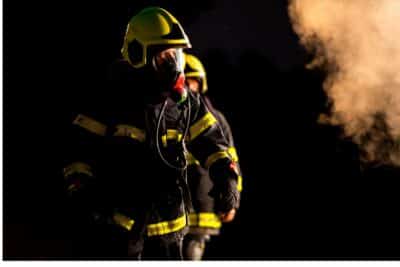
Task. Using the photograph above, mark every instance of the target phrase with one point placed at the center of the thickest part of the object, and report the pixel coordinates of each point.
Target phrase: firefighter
(135, 173)
(204, 221)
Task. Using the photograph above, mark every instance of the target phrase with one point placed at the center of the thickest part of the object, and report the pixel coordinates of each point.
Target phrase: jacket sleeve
(81, 160)
(210, 147)
(226, 129)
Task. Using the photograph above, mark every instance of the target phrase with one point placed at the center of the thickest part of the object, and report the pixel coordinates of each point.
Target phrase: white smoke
(358, 43)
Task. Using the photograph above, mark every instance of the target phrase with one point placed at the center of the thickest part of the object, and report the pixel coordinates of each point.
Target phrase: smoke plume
(358, 43)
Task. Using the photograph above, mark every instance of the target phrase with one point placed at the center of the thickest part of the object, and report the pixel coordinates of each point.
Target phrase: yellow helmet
(151, 27)
(195, 69)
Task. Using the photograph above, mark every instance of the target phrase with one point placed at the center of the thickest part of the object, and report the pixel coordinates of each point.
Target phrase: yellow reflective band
(233, 153)
(90, 124)
(171, 135)
(191, 160)
(204, 219)
(130, 131)
(240, 183)
(123, 221)
(77, 167)
(166, 227)
(235, 158)
(214, 157)
(201, 125)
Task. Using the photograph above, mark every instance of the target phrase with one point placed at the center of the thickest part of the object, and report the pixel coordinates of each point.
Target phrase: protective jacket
(127, 162)
(203, 219)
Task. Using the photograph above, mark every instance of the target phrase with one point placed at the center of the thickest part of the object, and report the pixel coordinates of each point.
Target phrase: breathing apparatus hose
(166, 162)
(182, 181)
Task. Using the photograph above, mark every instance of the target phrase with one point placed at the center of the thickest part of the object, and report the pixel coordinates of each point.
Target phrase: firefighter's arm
(80, 149)
(209, 146)
(224, 175)
(84, 136)
(226, 129)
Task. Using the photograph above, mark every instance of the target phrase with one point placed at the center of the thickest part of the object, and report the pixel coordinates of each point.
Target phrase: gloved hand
(226, 196)
(226, 199)
(224, 174)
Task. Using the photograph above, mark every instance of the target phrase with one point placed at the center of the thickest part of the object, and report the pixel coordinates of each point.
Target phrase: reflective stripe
(90, 124)
(201, 125)
(77, 167)
(191, 160)
(171, 135)
(130, 131)
(214, 157)
(123, 221)
(166, 227)
(233, 153)
(204, 219)
(235, 158)
(240, 183)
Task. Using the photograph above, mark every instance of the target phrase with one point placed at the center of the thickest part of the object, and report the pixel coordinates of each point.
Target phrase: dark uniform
(91, 214)
(124, 177)
(127, 165)
(204, 221)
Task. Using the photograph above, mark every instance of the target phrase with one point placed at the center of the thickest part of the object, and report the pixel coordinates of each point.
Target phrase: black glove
(224, 175)
(226, 197)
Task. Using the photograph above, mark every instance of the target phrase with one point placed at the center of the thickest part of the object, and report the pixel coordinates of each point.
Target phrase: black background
(305, 193)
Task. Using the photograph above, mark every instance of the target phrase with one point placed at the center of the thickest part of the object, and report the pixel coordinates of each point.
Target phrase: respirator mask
(168, 65)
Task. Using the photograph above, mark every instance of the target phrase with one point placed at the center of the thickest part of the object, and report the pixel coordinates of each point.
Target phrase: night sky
(306, 194)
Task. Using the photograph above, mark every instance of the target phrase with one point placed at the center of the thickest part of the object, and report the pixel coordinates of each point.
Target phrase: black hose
(183, 138)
